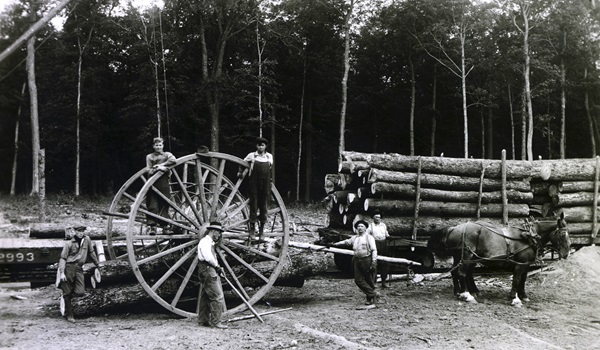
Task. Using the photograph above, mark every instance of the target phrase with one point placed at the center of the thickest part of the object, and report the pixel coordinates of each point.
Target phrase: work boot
(383, 284)
(220, 326)
(261, 231)
(68, 308)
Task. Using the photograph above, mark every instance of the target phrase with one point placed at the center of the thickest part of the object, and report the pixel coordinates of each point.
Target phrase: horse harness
(526, 233)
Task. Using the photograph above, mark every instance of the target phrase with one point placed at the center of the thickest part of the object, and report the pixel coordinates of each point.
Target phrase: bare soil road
(564, 313)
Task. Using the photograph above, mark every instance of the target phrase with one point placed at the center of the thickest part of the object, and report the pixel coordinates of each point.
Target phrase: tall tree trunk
(13, 179)
(549, 127)
(433, 110)
(563, 109)
(300, 129)
(490, 134)
(482, 134)
(273, 143)
(308, 158)
(35, 127)
(78, 113)
(512, 123)
(342, 143)
(34, 28)
(412, 105)
(523, 125)
(464, 92)
(589, 114)
(526, 75)
(260, 49)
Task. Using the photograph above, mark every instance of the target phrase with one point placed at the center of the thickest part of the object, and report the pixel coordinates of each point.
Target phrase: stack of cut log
(417, 195)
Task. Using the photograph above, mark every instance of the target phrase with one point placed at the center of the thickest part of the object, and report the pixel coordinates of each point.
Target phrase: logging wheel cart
(204, 188)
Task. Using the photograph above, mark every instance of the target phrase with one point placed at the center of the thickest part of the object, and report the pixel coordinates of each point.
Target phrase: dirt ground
(323, 314)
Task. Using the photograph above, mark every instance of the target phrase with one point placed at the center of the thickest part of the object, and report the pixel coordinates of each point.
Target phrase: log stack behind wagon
(418, 195)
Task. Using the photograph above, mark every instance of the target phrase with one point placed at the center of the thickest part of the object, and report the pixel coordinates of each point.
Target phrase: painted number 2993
(15, 257)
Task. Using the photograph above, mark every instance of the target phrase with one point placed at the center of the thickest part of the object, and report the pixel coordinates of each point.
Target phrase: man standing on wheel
(261, 165)
(158, 161)
(74, 254)
(210, 296)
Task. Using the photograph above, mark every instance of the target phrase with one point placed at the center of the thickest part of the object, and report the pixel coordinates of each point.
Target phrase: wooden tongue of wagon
(204, 188)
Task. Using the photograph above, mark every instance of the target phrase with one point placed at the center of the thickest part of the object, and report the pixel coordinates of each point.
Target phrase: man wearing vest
(364, 260)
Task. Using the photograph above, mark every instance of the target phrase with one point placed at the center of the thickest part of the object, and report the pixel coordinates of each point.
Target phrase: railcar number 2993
(20, 257)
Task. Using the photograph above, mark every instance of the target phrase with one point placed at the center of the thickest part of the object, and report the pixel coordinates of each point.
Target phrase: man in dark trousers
(261, 166)
(74, 254)
(364, 260)
(210, 297)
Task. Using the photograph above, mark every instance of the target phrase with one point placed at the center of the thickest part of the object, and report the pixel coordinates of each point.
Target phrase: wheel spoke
(173, 268)
(243, 262)
(166, 252)
(174, 206)
(216, 191)
(252, 250)
(185, 282)
(233, 276)
(187, 197)
(201, 190)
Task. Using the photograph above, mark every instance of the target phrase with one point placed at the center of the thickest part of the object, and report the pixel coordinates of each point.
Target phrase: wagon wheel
(120, 207)
(201, 192)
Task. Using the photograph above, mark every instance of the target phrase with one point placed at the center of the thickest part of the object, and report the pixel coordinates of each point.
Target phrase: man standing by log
(210, 296)
(379, 231)
(75, 253)
(158, 161)
(364, 260)
(261, 165)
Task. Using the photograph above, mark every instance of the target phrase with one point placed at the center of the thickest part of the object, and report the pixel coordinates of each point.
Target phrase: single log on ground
(449, 182)
(573, 199)
(115, 297)
(444, 208)
(452, 166)
(48, 230)
(410, 191)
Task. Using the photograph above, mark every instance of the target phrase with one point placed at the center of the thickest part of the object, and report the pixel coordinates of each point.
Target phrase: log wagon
(418, 195)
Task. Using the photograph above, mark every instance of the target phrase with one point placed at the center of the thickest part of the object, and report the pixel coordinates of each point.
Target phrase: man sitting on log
(210, 296)
(75, 253)
(364, 260)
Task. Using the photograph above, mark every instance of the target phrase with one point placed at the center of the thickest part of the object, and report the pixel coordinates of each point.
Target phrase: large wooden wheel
(202, 191)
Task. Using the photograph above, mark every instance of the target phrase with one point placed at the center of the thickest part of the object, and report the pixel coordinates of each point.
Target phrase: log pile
(417, 195)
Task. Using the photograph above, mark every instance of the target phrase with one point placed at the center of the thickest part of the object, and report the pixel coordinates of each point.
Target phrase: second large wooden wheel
(204, 187)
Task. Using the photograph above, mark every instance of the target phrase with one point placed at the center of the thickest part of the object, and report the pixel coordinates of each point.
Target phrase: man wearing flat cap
(259, 174)
(364, 260)
(210, 296)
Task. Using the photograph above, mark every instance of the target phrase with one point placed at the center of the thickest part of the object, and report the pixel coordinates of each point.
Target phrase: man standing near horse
(379, 231)
(364, 260)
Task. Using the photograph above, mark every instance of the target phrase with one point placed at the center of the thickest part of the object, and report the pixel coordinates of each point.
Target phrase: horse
(499, 246)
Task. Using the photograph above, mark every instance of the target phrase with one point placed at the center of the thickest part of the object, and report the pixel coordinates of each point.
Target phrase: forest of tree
(416, 77)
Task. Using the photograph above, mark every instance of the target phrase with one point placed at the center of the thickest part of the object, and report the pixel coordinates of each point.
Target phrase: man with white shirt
(259, 175)
(210, 298)
(379, 231)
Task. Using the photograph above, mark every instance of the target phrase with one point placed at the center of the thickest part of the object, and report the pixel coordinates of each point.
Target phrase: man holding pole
(210, 297)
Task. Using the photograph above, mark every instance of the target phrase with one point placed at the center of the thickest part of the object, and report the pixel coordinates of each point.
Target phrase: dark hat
(260, 140)
(215, 225)
(361, 222)
(376, 212)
